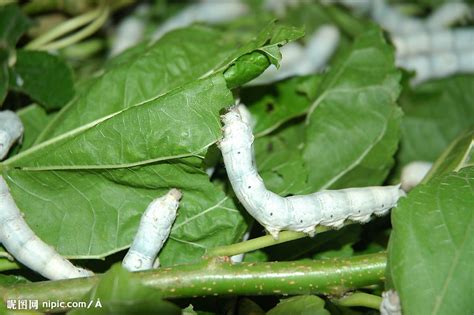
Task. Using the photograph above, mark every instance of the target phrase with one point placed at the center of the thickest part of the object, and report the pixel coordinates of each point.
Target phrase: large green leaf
(430, 249)
(119, 293)
(300, 305)
(353, 126)
(435, 113)
(46, 78)
(145, 74)
(92, 213)
(181, 123)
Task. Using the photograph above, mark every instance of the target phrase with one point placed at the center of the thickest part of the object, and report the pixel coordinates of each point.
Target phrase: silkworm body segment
(20, 241)
(153, 231)
(11, 129)
(296, 213)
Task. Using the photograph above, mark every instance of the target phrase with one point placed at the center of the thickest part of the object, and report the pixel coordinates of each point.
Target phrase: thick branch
(218, 276)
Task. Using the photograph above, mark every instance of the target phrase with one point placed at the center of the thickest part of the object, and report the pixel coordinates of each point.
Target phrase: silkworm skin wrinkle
(11, 130)
(22, 243)
(300, 213)
(153, 231)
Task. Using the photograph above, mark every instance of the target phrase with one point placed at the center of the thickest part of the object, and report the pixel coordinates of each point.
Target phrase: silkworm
(460, 39)
(302, 60)
(22, 243)
(130, 30)
(447, 14)
(396, 22)
(390, 303)
(300, 212)
(437, 65)
(212, 12)
(11, 130)
(153, 231)
(413, 173)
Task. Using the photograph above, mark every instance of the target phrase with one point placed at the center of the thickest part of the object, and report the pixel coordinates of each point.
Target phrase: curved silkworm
(11, 130)
(438, 65)
(413, 173)
(154, 229)
(390, 303)
(296, 213)
(22, 243)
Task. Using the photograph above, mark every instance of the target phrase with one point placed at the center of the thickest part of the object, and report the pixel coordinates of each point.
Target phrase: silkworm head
(176, 194)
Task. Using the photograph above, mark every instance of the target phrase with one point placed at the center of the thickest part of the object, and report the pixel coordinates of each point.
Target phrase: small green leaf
(118, 292)
(300, 305)
(430, 249)
(13, 23)
(353, 125)
(46, 78)
(436, 112)
(246, 68)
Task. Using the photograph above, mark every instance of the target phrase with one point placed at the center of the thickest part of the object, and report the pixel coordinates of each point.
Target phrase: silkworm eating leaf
(154, 229)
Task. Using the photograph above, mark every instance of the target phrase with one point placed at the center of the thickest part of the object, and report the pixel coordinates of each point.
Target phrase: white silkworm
(302, 60)
(413, 173)
(300, 212)
(154, 229)
(129, 31)
(390, 303)
(20, 241)
(209, 11)
(438, 65)
(460, 39)
(396, 22)
(11, 130)
(447, 14)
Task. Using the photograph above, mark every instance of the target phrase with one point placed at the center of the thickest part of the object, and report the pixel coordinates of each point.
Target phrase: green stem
(63, 29)
(260, 242)
(6, 265)
(85, 32)
(360, 299)
(218, 276)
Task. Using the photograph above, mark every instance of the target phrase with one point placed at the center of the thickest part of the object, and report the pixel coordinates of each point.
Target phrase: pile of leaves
(105, 136)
